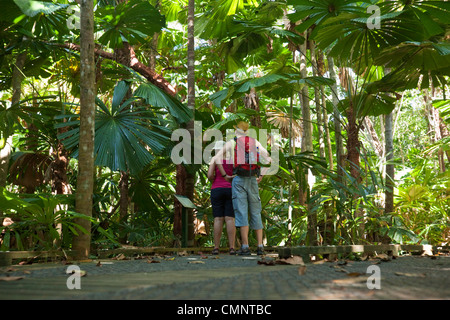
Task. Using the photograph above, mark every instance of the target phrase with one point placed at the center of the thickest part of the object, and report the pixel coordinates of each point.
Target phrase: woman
(221, 201)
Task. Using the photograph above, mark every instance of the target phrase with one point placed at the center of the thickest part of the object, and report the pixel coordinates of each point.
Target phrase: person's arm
(212, 171)
(219, 157)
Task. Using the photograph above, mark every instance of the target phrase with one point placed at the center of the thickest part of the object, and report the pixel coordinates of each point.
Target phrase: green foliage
(131, 21)
(125, 129)
(36, 219)
(422, 204)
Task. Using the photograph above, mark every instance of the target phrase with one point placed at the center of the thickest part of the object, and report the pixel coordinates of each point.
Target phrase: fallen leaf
(10, 278)
(196, 262)
(406, 274)
(301, 270)
(340, 269)
(354, 274)
(350, 280)
(266, 262)
(120, 257)
(294, 260)
(29, 261)
(153, 261)
(383, 257)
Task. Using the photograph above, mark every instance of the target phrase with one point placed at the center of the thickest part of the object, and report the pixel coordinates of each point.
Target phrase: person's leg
(218, 227)
(259, 236)
(231, 231)
(240, 205)
(240, 202)
(255, 214)
(218, 207)
(259, 239)
(229, 219)
(244, 236)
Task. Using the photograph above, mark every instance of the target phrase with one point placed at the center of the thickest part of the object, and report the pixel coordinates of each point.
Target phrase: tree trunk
(329, 149)
(124, 56)
(353, 145)
(190, 176)
(433, 118)
(390, 170)
(444, 133)
(5, 150)
(85, 178)
(306, 146)
(251, 101)
(337, 122)
(373, 137)
(124, 202)
(317, 101)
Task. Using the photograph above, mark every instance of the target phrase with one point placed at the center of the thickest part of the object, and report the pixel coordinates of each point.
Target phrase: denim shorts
(246, 202)
(221, 203)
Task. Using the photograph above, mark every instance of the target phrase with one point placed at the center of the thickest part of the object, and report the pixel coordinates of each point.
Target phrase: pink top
(219, 181)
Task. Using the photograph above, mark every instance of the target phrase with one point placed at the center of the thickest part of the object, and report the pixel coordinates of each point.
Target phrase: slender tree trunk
(327, 208)
(251, 101)
(373, 137)
(5, 150)
(85, 179)
(433, 118)
(328, 147)
(190, 176)
(353, 143)
(390, 170)
(60, 182)
(124, 202)
(124, 56)
(444, 133)
(306, 146)
(317, 101)
(337, 121)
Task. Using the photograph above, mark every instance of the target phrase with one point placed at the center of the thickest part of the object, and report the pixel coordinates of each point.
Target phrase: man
(244, 186)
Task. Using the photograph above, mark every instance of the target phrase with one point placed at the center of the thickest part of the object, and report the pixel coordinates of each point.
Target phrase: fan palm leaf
(127, 133)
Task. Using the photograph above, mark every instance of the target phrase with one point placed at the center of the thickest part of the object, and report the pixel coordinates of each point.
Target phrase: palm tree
(409, 30)
(85, 181)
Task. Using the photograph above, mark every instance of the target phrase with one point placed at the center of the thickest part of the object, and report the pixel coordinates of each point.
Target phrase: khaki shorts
(246, 202)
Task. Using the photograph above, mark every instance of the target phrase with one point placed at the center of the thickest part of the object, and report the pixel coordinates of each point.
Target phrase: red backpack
(246, 157)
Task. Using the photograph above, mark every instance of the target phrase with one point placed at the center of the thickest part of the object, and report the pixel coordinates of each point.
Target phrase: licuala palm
(128, 132)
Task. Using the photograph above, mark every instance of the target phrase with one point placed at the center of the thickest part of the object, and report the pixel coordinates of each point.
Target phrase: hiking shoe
(232, 251)
(215, 252)
(260, 251)
(244, 252)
